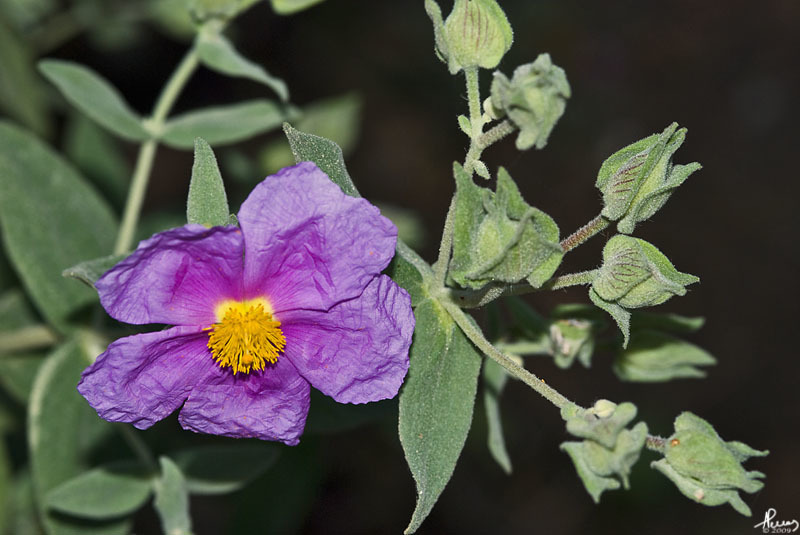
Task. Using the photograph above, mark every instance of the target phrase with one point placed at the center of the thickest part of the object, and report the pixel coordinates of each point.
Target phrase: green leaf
(217, 53)
(287, 7)
(465, 125)
(89, 271)
(20, 94)
(494, 380)
(436, 403)
(207, 203)
(60, 426)
(17, 371)
(675, 323)
(221, 469)
(323, 152)
(652, 356)
(172, 499)
(336, 118)
(51, 219)
(108, 491)
(98, 156)
(620, 315)
(94, 96)
(222, 125)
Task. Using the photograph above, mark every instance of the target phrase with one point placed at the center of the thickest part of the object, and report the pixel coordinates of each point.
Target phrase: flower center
(246, 335)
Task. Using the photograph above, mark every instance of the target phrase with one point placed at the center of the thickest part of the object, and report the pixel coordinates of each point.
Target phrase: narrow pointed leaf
(323, 152)
(222, 125)
(95, 97)
(494, 380)
(217, 53)
(436, 404)
(207, 204)
(89, 271)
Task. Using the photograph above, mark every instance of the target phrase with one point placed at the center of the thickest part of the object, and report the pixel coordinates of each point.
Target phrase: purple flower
(293, 298)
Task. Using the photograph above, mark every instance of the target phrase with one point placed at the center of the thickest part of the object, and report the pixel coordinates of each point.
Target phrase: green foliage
(217, 53)
(109, 491)
(323, 152)
(637, 180)
(89, 271)
(608, 452)
(222, 125)
(436, 403)
(705, 468)
(499, 237)
(652, 356)
(494, 380)
(288, 7)
(475, 34)
(17, 370)
(634, 274)
(20, 94)
(95, 97)
(534, 99)
(61, 429)
(223, 468)
(77, 223)
(172, 499)
(207, 203)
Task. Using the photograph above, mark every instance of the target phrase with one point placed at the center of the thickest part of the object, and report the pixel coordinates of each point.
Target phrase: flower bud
(706, 468)
(534, 99)
(635, 274)
(636, 181)
(571, 339)
(475, 34)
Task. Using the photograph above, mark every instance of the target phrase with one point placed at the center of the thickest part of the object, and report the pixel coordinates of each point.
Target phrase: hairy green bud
(636, 181)
(705, 468)
(475, 34)
(534, 99)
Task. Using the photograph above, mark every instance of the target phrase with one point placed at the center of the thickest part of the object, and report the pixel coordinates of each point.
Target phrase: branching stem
(590, 229)
(147, 152)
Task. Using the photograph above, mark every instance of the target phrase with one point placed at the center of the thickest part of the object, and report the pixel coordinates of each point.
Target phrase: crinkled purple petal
(271, 404)
(141, 379)
(176, 277)
(307, 244)
(358, 351)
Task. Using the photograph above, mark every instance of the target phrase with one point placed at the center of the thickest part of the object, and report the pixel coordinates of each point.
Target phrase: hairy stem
(584, 233)
(515, 370)
(655, 443)
(570, 279)
(147, 152)
(496, 133)
(474, 102)
(445, 247)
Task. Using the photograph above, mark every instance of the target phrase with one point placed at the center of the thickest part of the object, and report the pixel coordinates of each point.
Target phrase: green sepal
(637, 180)
(635, 274)
(652, 356)
(108, 491)
(440, 42)
(477, 34)
(207, 203)
(95, 97)
(216, 52)
(465, 125)
(223, 125)
(621, 316)
(498, 237)
(605, 458)
(534, 99)
(707, 469)
(206, 10)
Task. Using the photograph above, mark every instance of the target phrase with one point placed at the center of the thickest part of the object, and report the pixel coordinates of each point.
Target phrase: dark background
(726, 70)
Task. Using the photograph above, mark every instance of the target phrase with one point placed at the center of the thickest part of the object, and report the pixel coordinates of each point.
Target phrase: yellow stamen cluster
(246, 336)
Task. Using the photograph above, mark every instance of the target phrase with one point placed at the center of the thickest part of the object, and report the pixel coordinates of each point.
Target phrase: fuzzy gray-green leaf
(223, 125)
(89, 271)
(323, 152)
(207, 203)
(652, 356)
(77, 224)
(436, 404)
(494, 380)
(172, 499)
(108, 491)
(95, 97)
(217, 53)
